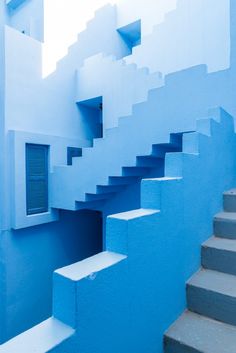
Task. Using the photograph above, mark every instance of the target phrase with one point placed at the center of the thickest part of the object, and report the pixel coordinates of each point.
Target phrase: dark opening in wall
(131, 34)
(91, 111)
(73, 152)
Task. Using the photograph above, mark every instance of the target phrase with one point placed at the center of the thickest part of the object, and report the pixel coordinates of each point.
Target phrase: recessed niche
(92, 116)
(131, 34)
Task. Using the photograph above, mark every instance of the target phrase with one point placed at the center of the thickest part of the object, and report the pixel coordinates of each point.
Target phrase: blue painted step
(150, 161)
(132, 174)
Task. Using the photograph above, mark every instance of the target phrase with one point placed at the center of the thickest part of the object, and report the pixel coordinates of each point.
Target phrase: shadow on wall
(33, 254)
(91, 112)
(33, 249)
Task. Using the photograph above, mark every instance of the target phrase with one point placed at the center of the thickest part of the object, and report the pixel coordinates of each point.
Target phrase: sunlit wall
(64, 19)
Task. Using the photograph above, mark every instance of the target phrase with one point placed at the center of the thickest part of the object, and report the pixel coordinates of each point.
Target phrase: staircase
(209, 325)
(180, 26)
(123, 299)
(119, 85)
(150, 165)
(94, 39)
(122, 88)
(150, 124)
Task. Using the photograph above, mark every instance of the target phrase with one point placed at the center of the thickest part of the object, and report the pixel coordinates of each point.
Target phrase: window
(36, 178)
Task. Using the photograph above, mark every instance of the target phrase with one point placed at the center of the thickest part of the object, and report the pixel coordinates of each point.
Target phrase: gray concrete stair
(225, 225)
(213, 294)
(220, 255)
(193, 333)
(229, 199)
(209, 325)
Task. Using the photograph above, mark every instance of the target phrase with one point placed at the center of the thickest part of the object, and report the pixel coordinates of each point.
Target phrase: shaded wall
(31, 255)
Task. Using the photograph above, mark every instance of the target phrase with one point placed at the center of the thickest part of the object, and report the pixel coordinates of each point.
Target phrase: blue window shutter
(36, 178)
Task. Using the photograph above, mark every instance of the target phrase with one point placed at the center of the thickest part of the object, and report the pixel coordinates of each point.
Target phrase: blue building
(112, 171)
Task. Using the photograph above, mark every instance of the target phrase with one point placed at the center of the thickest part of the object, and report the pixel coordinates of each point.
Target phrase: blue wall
(48, 107)
(31, 255)
(38, 251)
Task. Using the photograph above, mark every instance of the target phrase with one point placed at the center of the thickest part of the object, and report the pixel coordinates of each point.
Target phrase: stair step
(149, 161)
(107, 189)
(95, 197)
(213, 294)
(176, 138)
(193, 333)
(229, 199)
(96, 205)
(160, 150)
(225, 225)
(219, 254)
(134, 171)
(123, 180)
(43, 337)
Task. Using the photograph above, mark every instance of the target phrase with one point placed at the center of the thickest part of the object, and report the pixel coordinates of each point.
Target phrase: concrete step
(134, 171)
(41, 338)
(107, 189)
(213, 294)
(95, 205)
(160, 149)
(122, 180)
(220, 255)
(193, 333)
(149, 161)
(229, 199)
(225, 225)
(95, 197)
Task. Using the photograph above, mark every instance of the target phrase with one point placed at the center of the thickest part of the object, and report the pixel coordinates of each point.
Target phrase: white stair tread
(40, 339)
(226, 216)
(203, 334)
(141, 212)
(221, 244)
(231, 192)
(215, 281)
(91, 265)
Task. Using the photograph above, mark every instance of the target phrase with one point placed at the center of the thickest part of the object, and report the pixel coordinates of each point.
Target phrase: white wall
(197, 32)
(64, 19)
(29, 18)
(151, 12)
